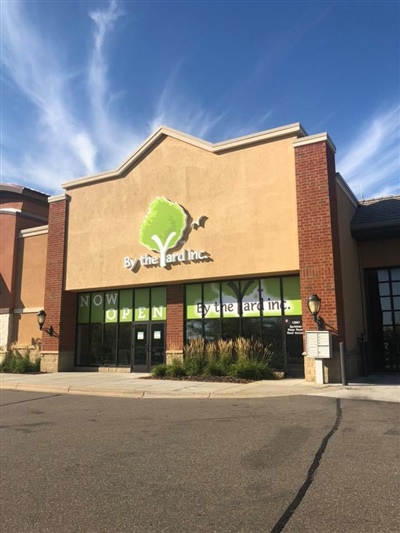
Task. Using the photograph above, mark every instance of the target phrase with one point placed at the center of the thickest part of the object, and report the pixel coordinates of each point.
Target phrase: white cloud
(178, 111)
(114, 138)
(60, 146)
(32, 68)
(371, 163)
(61, 142)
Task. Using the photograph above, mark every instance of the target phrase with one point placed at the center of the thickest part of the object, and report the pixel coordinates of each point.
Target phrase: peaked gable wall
(248, 196)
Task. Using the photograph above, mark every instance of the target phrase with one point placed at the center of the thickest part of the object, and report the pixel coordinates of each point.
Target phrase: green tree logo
(162, 227)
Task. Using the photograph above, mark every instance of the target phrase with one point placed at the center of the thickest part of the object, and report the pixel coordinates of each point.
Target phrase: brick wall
(175, 317)
(319, 252)
(59, 305)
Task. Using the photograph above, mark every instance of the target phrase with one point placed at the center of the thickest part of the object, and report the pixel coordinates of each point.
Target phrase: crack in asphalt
(284, 519)
(30, 400)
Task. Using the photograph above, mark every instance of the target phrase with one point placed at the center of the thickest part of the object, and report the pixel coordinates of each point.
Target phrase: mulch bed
(213, 379)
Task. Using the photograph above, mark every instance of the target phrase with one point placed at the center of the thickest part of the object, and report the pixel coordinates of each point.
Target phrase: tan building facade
(190, 239)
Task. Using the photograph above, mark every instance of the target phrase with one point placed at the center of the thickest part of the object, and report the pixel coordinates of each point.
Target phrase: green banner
(159, 303)
(291, 296)
(258, 297)
(126, 305)
(117, 306)
(142, 312)
(84, 308)
(251, 305)
(230, 299)
(212, 303)
(193, 301)
(271, 295)
(97, 307)
(111, 306)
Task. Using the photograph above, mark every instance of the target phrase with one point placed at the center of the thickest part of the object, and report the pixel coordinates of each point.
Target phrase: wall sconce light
(314, 305)
(41, 317)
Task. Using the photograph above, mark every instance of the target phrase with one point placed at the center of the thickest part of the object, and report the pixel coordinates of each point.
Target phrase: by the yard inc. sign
(164, 229)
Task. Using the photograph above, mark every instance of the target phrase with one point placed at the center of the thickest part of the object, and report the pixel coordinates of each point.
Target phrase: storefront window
(266, 309)
(96, 345)
(212, 329)
(230, 328)
(124, 344)
(110, 344)
(383, 308)
(251, 328)
(105, 321)
(83, 345)
(194, 329)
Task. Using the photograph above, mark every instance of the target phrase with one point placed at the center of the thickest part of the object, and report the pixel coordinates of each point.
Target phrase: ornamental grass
(247, 359)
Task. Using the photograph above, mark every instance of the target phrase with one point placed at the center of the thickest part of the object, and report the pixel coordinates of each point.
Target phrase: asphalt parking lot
(296, 464)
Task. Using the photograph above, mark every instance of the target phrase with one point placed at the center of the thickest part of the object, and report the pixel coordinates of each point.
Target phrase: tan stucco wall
(26, 331)
(31, 271)
(384, 253)
(352, 296)
(247, 194)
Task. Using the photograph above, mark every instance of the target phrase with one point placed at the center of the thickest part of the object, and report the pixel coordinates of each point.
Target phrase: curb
(126, 393)
(346, 393)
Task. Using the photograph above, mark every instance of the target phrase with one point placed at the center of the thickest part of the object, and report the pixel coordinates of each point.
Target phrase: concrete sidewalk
(376, 387)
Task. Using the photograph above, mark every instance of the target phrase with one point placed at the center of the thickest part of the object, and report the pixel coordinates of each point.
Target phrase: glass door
(140, 348)
(148, 346)
(157, 343)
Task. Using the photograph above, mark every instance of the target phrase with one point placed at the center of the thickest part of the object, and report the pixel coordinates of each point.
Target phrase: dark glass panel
(124, 344)
(395, 274)
(391, 336)
(294, 340)
(396, 287)
(110, 344)
(251, 328)
(96, 344)
(387, 318)
(82, 351)
(272, 338)
(194, 329)
(383, 275)
(230, 328)
(157, 344)
(384, 289)
(141, 344)
(212, 330)
(386, 304)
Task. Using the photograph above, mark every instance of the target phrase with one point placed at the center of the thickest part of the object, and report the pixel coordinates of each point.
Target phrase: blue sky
(84, 83)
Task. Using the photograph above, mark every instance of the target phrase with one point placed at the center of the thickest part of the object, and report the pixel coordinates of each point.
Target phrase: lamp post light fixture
(41, 317)
(314, 305)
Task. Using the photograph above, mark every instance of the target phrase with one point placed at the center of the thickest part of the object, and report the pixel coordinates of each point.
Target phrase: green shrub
(16, 363)
(251, 369)
(194, 365)
(176, 369)
(215, 368)
(159, 371)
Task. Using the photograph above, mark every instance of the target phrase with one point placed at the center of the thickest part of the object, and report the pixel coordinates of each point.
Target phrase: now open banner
(127, 305)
